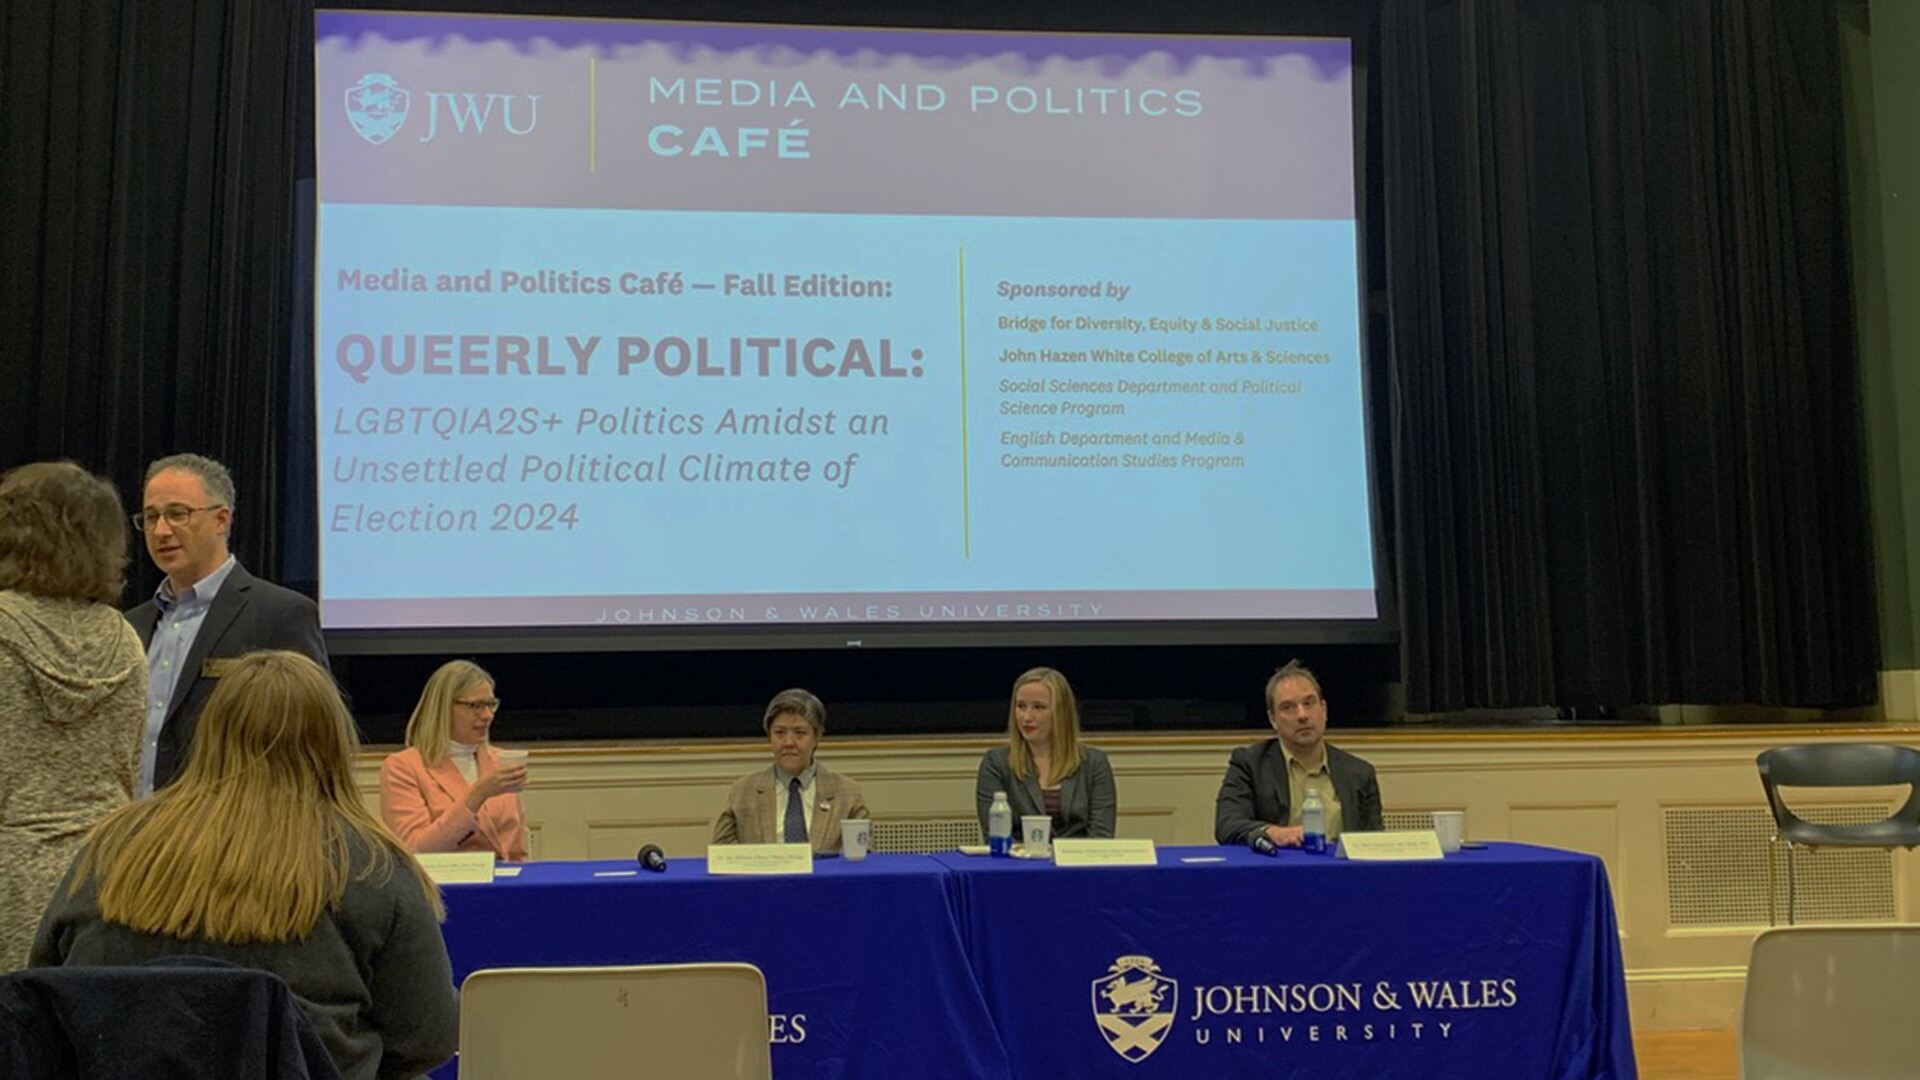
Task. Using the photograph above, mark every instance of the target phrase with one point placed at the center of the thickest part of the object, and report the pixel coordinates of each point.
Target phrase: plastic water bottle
(1313, 822)
(1000, 826)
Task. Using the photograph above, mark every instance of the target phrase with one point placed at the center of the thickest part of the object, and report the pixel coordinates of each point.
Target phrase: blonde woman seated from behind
(261, 854)
(447, 791)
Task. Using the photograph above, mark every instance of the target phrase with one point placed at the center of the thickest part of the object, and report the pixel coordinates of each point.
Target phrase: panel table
(1220, 962)
(865, 973)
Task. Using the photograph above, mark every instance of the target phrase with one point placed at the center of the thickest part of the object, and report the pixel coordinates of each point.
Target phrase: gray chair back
(1832, 1003)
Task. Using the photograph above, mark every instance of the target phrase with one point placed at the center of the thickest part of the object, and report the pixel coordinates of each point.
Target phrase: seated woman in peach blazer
(447, 791)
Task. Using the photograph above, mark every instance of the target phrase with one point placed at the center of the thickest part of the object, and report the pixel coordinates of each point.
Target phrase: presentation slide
(651, 324)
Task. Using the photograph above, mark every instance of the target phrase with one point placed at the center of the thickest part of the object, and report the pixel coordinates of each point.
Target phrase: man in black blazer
(207, 612)
(1265, 781)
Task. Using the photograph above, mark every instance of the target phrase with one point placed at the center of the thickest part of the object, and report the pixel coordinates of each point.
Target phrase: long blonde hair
(431, 726)
(1065, 757)
(253, 842)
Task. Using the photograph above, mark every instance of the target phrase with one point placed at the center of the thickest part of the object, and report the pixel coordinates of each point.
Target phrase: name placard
(1405, 845)
(759, 859)
(458, 867)
(1104, 853)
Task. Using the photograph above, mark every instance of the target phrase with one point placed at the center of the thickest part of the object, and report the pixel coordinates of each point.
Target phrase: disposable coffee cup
(1451, 827)
(855, 837)
(509, 758)
(1036, 832)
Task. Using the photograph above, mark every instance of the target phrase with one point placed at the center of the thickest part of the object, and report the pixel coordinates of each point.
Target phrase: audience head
(62, 534)
(250, 843)
(795, 720)
(1296, 708)
(1043, 719)
(456, 706)
(186, 514)
(275, 728)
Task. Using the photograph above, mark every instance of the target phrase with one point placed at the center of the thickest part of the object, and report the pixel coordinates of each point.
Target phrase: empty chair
(1837, 765)
(1832, 1003)
(705, 1020)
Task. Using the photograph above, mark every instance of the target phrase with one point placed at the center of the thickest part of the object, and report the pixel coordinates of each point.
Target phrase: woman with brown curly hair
(73, 682)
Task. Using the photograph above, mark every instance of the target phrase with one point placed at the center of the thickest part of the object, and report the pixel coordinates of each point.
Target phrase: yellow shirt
(1300, 780)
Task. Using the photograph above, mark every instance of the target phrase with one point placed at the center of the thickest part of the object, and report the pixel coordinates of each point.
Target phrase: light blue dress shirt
(174, 631)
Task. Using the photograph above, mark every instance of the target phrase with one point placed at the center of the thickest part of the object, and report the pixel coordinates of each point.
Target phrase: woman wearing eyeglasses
(448, 790)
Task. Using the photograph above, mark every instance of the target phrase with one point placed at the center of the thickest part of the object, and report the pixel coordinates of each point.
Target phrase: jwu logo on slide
(1134, 1005)
(377, 108)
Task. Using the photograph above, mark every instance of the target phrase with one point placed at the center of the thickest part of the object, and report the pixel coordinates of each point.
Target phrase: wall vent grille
(1717, 869)
(1400, 820)
(922, 837)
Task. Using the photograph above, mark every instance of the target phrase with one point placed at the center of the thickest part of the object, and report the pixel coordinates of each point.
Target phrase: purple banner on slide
(825, 609)
(503, 111)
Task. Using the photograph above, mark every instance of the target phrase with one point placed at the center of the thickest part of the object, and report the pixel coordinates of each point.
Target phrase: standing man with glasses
(207, 613)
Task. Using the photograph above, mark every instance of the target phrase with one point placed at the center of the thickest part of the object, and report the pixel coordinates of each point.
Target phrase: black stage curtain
(1628, 460)
(148, 153)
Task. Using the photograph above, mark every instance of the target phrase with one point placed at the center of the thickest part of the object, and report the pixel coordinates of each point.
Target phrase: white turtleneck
(465, 758)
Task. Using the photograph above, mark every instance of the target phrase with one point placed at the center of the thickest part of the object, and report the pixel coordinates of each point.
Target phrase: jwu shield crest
(1134, 1004)
(377, 106)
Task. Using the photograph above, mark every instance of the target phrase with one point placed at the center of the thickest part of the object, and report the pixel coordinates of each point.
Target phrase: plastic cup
(1036, 831)
(509, 758)
(1451, 827)
(856, 836)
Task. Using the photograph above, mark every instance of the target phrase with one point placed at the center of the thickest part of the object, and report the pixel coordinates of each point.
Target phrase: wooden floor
(1687, 1055)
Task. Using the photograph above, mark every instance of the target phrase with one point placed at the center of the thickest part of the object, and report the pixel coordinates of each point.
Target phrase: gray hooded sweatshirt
(73, 689)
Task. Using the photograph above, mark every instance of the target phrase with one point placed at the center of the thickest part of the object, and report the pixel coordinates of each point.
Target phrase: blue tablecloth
(865, 973)
(1501, 962)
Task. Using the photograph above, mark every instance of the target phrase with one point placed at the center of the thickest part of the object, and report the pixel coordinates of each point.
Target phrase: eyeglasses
(488, 704)
(175, 515)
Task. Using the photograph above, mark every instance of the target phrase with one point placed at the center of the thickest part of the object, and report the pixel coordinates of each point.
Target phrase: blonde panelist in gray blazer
(1044, 768)
(798, 800)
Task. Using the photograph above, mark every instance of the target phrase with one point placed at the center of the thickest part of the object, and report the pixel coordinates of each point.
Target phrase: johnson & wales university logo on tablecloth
(1134, 1004)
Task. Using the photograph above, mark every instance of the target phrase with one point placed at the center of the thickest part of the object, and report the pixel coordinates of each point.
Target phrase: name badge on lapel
(215, 669)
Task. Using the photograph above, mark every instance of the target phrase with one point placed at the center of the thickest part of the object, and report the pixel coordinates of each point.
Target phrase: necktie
(796, 813)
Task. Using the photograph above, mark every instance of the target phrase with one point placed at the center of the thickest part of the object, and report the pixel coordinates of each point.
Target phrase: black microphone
(652, 858)
(1261, 843)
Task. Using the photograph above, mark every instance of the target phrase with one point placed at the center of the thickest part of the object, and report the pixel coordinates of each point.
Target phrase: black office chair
(1836, 765)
